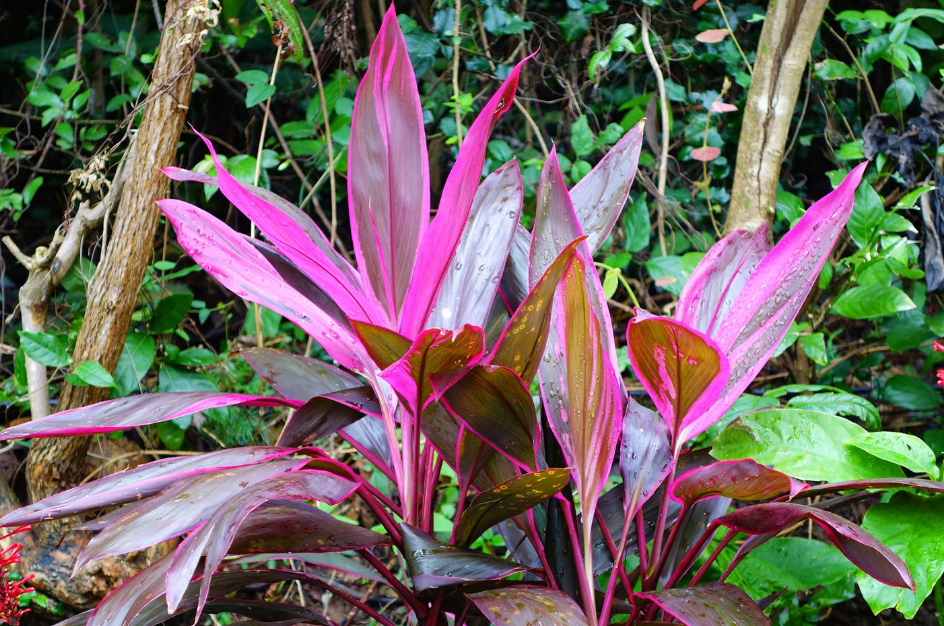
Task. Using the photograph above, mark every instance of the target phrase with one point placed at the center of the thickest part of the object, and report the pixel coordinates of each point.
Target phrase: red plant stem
(691, 555)
(611, 546)
(641, 540)
(383, 516)
(657, 548)
(531, 530)
(431, 479)
(649, 582)
(352, 601)
(711, 557)
(734, 563)
(586, 589)
(434, 612)
(405, 594)
(382, 497)
(617, 568)
(460, 618)
(371, 458)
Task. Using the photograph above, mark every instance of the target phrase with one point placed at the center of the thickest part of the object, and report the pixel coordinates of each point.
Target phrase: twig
(664, 108)
(724, 16)
(865, 77)
(455, 74)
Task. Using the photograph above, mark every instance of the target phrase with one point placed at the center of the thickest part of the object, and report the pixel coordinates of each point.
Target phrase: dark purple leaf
(696, 520)
(738, 480)
(514, 282)
(133, 411)
(480, 256)
(525, 604)
(682, 369)
(496, 405)
(328, 560)
(435, 564)
(710, 604)
(138, 483)
(291, 527)
(325, 415)
(645, 455)
(878, 483)
(369, 436)
(384, 346)
(298, 377)
(864, 550)
(507, 500)
(213, 538)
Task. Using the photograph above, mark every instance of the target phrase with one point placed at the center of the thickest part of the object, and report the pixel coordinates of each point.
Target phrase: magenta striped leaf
(738, 480)
(241, 268)
(112, 415)
(388, 170)
(326, 414)
(527, 604)
(599, 196)
(865, 551)
(295, 243)
(138, 483)
(645, 455)
(682, 369)
(212, 539)
(438, 245)
(480, 256)
(709, 604)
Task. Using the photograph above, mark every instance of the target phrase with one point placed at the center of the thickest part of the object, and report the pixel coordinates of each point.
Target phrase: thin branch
(664, 108)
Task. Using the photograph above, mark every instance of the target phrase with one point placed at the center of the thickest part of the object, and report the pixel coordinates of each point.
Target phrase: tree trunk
(782, 54)
(57, 464)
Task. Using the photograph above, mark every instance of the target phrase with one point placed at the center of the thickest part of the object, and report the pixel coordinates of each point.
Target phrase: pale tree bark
(57, 464)
(782, 54)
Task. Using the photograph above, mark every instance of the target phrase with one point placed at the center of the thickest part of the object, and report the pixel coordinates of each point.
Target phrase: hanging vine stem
(724, 16)
(664, 112)
(455, 74)
(332, 181)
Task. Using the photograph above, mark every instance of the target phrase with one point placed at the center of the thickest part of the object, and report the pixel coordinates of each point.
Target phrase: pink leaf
(388, 169)
(479, 259)
(682, 369)
(714, 35)
(722, 107)
(708, 153)
(442, 237)
(241, 268)
(151, 408)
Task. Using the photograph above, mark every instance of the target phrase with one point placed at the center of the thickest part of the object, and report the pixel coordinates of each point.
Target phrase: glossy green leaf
(867, 214)
(258, 92)
(866, 301)
(807, 445)
(522, 343)
(135, 361)
(91, 373)
(899, 448)
(913, 527)
(46, 349)
(839, 402)
(170, 311)
(912, 393)
(435, 564)
(507, 500)
(526, 604)
(495, 404)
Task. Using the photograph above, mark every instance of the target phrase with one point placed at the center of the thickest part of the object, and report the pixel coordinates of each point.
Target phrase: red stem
(586, 589)
(711, 558)
(405, 594)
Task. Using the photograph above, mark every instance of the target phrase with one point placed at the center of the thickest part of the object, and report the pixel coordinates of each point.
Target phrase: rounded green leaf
(49, 350)
(91, 373)
(868, 301)
(911, 393)
(899, 448)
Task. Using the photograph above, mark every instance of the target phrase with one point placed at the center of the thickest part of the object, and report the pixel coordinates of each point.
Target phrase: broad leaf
(329, 560)
(496, 405)
(913, 528)
(507, 500)
(438, 245)
(212, 539)
(479, 258)
(137, 483)
(864, 550)
(240, 267)
(325, 415)
(526, 604)
(874, 300)
(434, 564)
(682, 369)
(877, 483)
(522, 343)
(598, 197)
(645, 455)
(388, 169)
(296, 376)
(899, 448)
(133, 411)
(738, 480)
(709, 605)
(803, 444)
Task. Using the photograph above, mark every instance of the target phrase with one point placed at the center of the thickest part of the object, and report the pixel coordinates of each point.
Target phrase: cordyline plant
(435, 369)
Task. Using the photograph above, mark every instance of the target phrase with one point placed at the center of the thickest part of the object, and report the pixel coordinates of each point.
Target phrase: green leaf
(831, 69)
(30, 190)
(910, 199)
(911, 393)
(91, 373)
(43, 98)
(170, 311)
(873, 300)
(867, 214)
(667, 273)
(581, 138)
(895, 223)
(636, 222)
(794, 563)
(840, 403)
(79, 275)
(610, 283)
(135, 361)
(252, 77)
(172, 435)
(195, 357)
(898, 448)
(898, 96)
(913, 527)
(507, 500)
(814, 346)
(257, 93)
(808, 445)
(49, 350)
